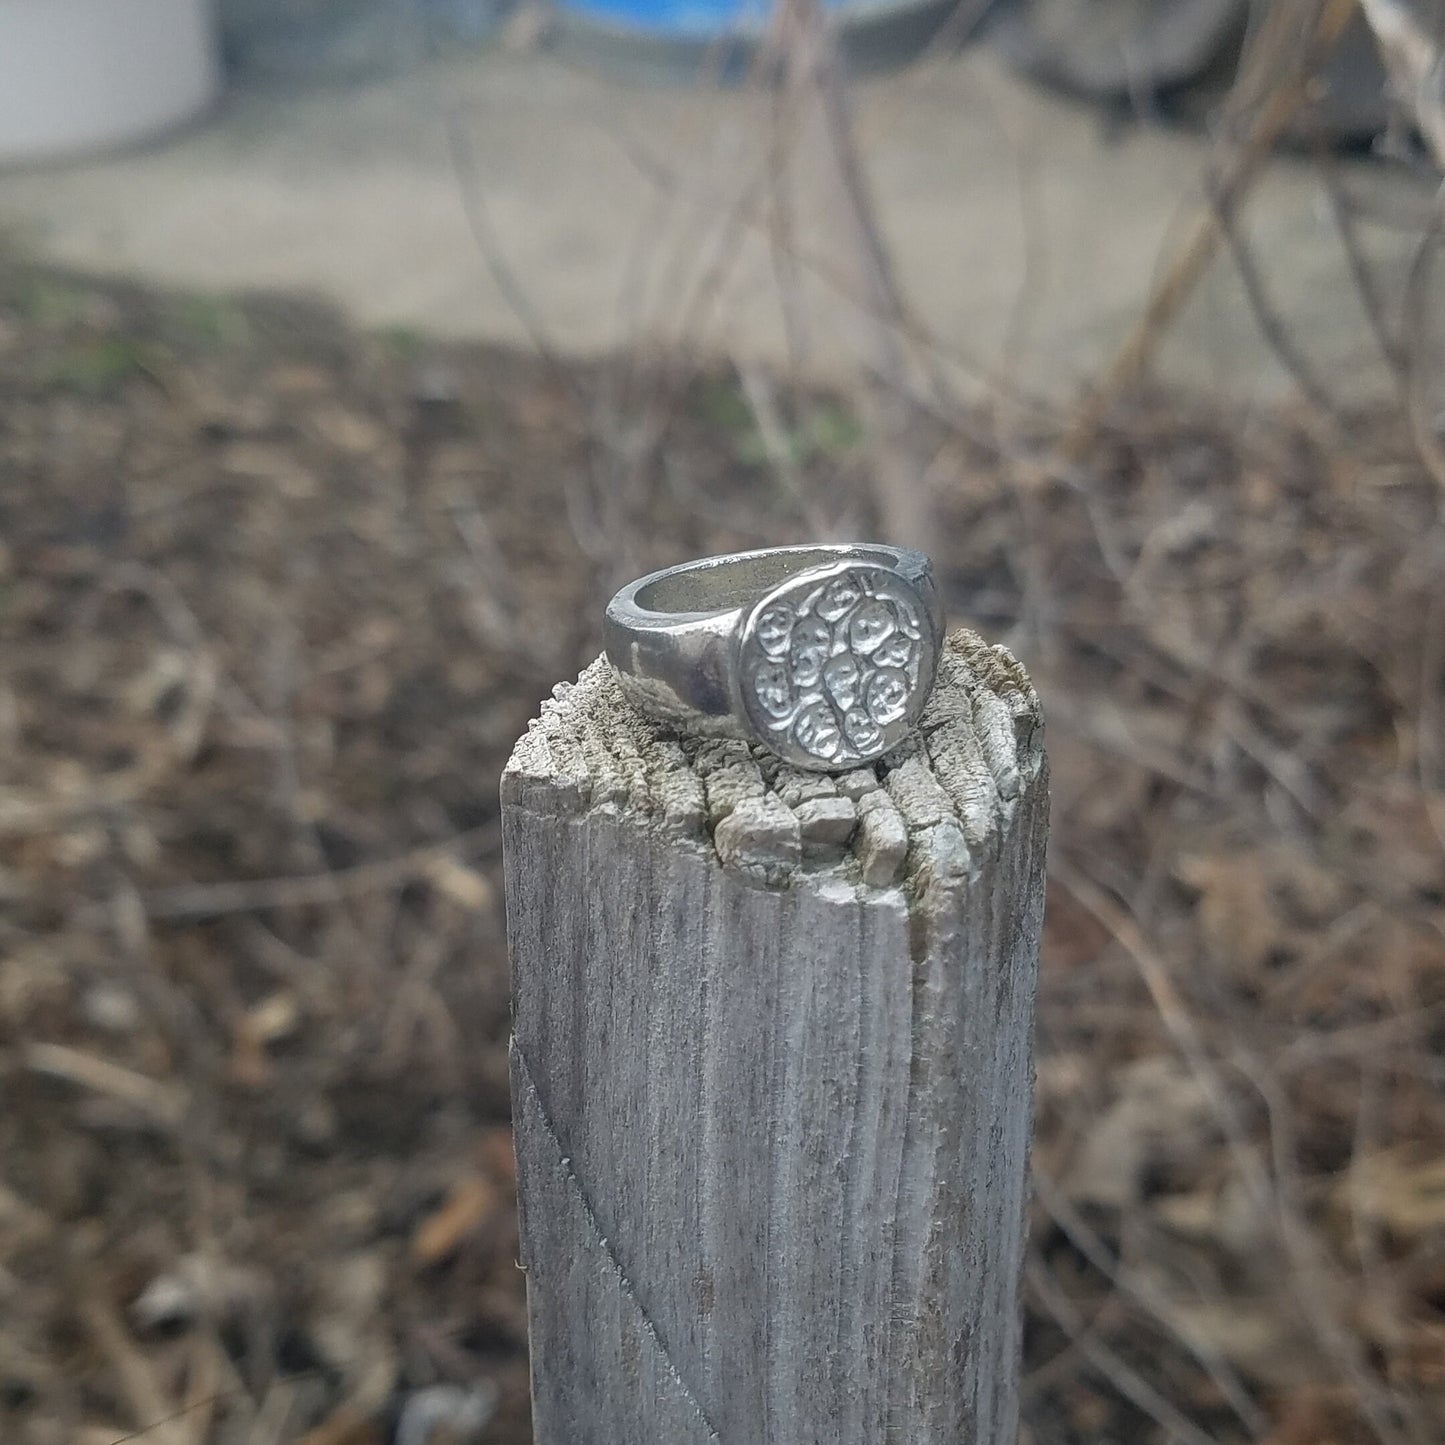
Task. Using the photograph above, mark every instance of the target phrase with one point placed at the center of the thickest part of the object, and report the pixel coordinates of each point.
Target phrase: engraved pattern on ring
(834, 669)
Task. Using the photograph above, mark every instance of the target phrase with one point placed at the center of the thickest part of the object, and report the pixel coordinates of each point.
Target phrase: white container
(85, 75)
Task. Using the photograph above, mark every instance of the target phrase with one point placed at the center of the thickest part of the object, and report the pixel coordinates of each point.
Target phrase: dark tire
(1115, 50)
(1178, 58)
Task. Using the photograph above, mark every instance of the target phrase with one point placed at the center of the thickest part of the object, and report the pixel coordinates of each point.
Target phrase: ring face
(836, 663)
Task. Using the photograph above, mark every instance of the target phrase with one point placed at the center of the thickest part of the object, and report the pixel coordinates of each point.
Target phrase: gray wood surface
(772, 1072)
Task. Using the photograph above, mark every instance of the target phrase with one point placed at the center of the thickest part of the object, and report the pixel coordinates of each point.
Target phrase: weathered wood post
(772, 1072)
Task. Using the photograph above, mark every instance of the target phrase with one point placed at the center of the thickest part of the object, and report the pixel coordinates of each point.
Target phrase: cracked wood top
(926, 808)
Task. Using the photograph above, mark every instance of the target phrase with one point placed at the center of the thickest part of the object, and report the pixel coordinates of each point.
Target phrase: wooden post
(772, 1072)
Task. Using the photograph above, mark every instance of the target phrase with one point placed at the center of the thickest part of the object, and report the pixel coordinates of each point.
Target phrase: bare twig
(1415, 59)
(478, 215)
(1429, 748)
(1424, 420)
(774, 436)
(1234, 184)
(212, 900)
(1309, 1272)
(162, 1103)
(929, 348)
(1271, 325)
(1360, 274)
(1129, 1383)
(1137, 1288)
(1309, 1267)
(815, 75)
(160, 1420)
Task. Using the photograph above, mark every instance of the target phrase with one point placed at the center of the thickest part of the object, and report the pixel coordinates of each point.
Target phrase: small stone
(110, 1008)
(896, 651)
(838, 597)
(774, 629)
(808, 651)
(863, 732)
(451, 1413)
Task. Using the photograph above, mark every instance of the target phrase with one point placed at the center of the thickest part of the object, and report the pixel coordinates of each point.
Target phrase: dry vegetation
(276, 598)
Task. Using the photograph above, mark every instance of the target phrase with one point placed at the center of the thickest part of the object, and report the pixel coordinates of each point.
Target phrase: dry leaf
(1254, 1334)
(1228, 1215)
(468, 1205)
(274, 1018)
(1254, 903)
(446, 1414)
(464, 886)
(1160, 1115)
(264, 461)
(1405, 1194)
(344, 1427)
(347, 430)
(1419, 1360)
(348, 1324)
(1317, 1415)
(269, 1021)
(1236, 910)
(498, 1154)
(198, 1285)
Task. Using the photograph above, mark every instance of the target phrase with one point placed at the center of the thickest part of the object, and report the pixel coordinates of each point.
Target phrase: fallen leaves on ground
(272, 613)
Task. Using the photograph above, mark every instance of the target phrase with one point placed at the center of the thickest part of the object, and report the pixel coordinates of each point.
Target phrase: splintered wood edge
(931, 812)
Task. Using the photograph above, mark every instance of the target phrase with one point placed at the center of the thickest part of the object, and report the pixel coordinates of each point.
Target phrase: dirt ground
(275, 600)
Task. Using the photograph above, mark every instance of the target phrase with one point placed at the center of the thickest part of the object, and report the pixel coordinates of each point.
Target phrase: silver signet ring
(823, 654)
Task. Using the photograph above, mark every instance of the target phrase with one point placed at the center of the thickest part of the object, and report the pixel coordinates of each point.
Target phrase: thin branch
(467, 170)
(163, 1104)
(1267, 318)
(1424, 423)
(1308, 1271)
(815, 75)
(1415, 60)
(1129, 1383)
(138, 1383)
(214, 900)
(1137, 1288)
(1364, 281)
(1284, 103)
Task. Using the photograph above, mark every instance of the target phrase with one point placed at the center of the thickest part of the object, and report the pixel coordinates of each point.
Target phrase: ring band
(824, 654)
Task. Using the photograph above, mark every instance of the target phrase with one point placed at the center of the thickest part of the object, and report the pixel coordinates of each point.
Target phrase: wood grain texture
(772, 1072)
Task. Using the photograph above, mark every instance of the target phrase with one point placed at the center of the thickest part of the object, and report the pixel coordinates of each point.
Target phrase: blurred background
(353, 351)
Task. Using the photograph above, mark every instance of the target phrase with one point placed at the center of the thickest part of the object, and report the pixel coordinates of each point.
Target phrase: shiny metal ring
(824, 654)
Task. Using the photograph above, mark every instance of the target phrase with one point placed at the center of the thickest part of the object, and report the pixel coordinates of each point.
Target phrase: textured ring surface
(824, 654)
